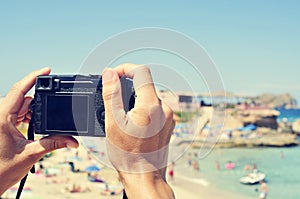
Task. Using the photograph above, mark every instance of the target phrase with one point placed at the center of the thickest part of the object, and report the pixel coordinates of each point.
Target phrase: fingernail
(71, 145)
(107, 75)
(45, 68)
(45, 71)
(104, 69)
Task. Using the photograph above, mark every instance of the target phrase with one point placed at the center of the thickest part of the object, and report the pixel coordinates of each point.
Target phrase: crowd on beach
(193, 162)
(64, 167)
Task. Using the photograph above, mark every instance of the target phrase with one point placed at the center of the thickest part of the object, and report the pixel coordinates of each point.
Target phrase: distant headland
(248, 121)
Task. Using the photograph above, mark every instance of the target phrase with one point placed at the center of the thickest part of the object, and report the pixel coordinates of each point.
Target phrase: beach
(38, 186)
(196, 189)
(228, 72)
(58, 177)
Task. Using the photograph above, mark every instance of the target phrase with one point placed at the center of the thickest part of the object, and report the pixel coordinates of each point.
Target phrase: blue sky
(255, 44)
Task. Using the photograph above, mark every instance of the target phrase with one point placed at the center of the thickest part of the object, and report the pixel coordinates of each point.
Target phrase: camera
(73, 105)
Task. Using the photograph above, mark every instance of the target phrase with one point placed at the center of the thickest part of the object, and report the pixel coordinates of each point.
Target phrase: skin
(137, 141)
(17, 154)
(138, 157)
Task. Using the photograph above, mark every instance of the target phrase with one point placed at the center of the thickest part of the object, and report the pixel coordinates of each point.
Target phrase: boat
(253, 178)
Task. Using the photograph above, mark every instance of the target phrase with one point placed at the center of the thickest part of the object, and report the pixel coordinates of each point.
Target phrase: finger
(170, 123)
(25, 107)
(25, 120)
(168, 112)
(26, 115)
(20, 119)
(14, 99)
(45, 145)
(142, 81)
(112, 95)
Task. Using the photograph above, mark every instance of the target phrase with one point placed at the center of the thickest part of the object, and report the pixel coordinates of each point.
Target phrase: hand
(137, 142)
(17, 154)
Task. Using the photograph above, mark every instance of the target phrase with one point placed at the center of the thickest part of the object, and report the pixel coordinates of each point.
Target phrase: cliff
(296, 127)
(268, 140)
(260, 117)
(276, 101)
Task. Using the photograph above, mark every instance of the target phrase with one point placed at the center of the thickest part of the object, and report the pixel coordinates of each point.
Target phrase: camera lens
(45, 82)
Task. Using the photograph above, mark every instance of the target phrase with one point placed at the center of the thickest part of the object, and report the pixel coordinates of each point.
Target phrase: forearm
(8, 177)
(146, 185)
(2, 190)
(4, 185)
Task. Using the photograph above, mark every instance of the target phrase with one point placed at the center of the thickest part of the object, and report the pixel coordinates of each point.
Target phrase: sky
(254, 44)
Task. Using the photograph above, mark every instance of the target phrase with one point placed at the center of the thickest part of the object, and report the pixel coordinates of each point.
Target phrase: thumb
(47, 144)
(111, 93)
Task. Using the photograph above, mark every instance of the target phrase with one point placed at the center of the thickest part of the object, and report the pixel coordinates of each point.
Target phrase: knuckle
(168, 113)
(107, 96)
(54, 145)
(173, 124)
(109, 93)
(144, 68)
(140, 116)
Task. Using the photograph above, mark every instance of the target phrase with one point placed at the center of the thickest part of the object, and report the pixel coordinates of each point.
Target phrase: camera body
(73, 105)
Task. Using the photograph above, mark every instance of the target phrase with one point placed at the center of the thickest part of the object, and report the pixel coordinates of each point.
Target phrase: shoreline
(270, 140)
(43, 187)
(186, 189)
(198, 187)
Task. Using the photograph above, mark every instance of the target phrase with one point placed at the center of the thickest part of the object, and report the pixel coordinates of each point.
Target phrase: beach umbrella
(92, 168)
(249, 127)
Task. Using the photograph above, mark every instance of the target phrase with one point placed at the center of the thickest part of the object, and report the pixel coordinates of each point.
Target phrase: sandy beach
(185, 187)
(40, 187)
(56, 179)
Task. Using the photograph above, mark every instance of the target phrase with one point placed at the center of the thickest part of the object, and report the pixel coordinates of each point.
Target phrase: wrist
(146, 185)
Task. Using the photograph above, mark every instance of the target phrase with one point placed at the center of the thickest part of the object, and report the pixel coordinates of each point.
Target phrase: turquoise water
(283, 174)
(290, 114)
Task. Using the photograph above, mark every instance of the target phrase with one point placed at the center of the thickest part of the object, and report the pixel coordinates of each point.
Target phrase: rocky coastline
(244, 127)
(270, 140)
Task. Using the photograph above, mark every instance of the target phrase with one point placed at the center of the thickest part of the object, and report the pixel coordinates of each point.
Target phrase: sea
(290, 114)
(281, 166)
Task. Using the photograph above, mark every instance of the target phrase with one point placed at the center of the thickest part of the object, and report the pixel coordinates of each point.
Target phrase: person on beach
(229, 165)
(281, 154)
(254, 167)
(263, 190)
(248, 167)
(217, 165)
(108, 192)
(196, 165)
(77, 189)
(189, 159)
(171, 171)
(137, 142)
(93, 177)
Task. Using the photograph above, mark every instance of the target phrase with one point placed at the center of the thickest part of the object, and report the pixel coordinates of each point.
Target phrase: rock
(296, 127)
(262, 117)
(276, 101)
(269, 140)
(231, 122)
